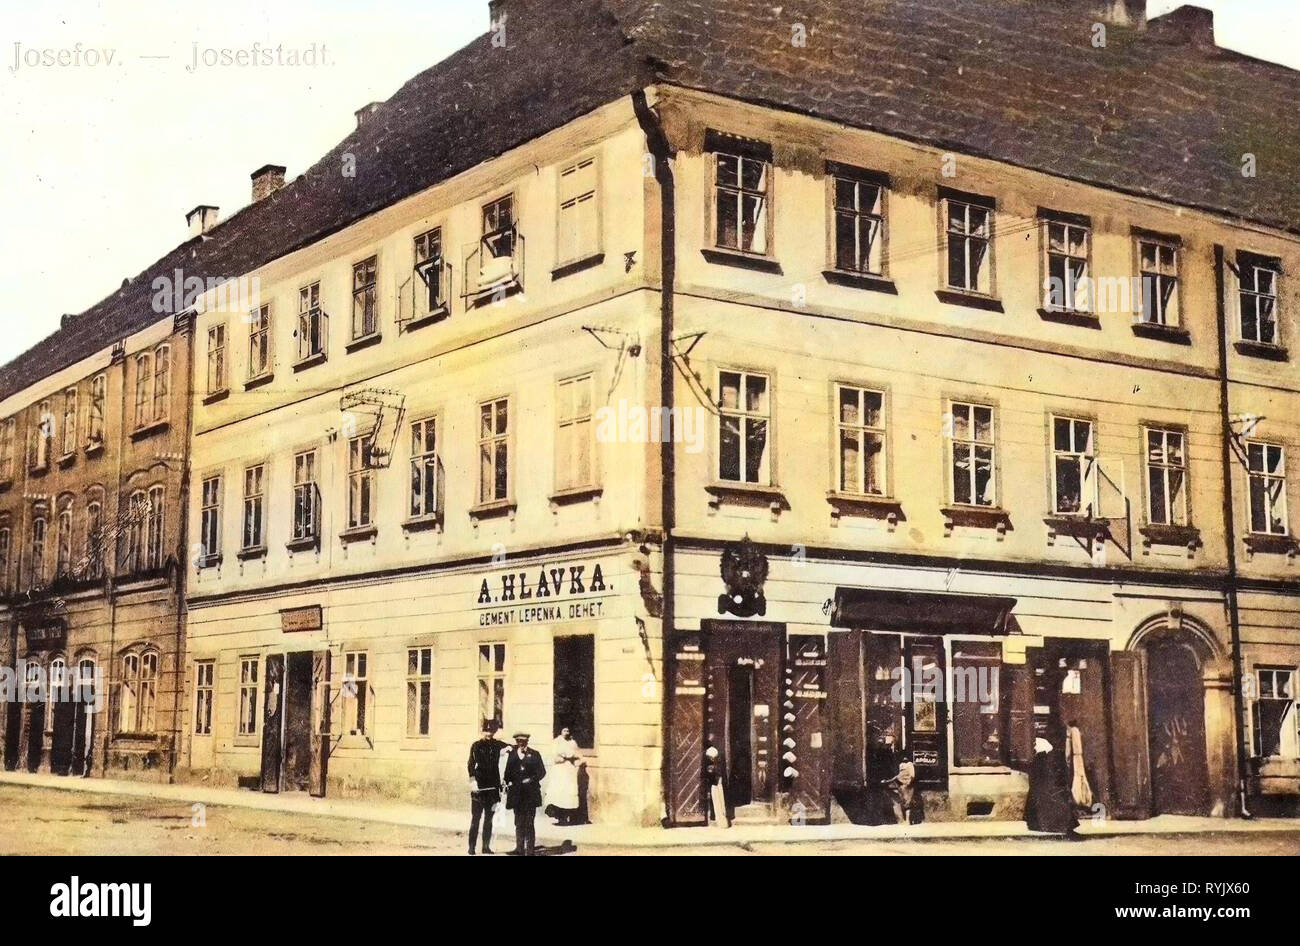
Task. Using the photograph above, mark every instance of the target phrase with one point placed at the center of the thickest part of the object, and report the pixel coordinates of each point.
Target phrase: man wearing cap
(524, 773)
(484, 782)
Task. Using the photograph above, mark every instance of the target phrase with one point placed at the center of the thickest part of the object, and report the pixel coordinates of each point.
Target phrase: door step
(754, 814)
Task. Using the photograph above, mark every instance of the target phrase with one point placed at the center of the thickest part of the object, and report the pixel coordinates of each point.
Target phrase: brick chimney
(267, 179)
(1188, 25)
(201, 219)
(499, 8)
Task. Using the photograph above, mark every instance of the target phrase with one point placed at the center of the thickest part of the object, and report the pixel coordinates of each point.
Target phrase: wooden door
(847, 711)
(1131, 786)
(320, 721)
(273, 723)
(927, 711)
(803, 748)
(1180, 780)
(741, 774)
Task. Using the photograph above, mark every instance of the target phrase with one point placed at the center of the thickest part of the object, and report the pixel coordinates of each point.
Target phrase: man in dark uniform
(484, 782)
(524, 773)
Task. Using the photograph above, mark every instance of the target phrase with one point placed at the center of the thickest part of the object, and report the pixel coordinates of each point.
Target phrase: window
(978, 734)
(859, 223)
(969, 239)
(1166, 461)
(254, 536)
(429, 267)
(1274, 722)
(205, 674)
(60, 686)
(311, 323)
(44, 433)
(7, 427)
(1067, 244)
(1266, 463)
(741, 187)
(494, 450)
(499, 228)
(1074, 463)
(365, 314)
(973, 456)
(249, 668)
(573, 438)
(860, 427)
(143, 384)
(154, 543)
(575, 688)
(210, 519)
(63, 548)
(305, 502)
(5, 538)
(743, 455)
(134, 556)
(1258, 278)
(579, 219)
(38, 551)
(259, 342)
(69, 421)
(492, 682)
(361, 483)
(95, 539)
(419, 690)
(162, 368)
(356, 693)
(95, 416)
(1158, 270)
(216, 358)
(424, 469)
(137, 699)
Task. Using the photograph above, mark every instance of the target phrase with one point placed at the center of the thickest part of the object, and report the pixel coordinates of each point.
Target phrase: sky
(105, 157)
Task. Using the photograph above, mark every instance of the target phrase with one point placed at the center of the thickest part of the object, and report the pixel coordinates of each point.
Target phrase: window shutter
(1131, 787)
(1018, 701)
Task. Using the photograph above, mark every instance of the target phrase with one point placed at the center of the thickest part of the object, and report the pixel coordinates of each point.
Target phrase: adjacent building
(832, 391)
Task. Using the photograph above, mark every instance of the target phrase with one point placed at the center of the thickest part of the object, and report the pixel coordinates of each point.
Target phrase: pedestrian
(1080, 789)
(562, 786)
(485, 783)
(523, 776)
(717, 792)
(906, 802)
(1049, 806)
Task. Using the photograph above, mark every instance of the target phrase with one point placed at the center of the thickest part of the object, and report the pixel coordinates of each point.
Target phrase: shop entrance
(1180, 781)
(295, 740)
(743, 708)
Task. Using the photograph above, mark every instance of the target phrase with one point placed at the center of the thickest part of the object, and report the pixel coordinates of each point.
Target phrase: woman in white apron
(562, 778)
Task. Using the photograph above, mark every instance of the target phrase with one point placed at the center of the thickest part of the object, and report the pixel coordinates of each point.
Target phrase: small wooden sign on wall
(301, 619)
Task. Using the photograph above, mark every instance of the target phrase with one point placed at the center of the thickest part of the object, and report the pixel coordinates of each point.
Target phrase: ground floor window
(419, 690)
(355, 693)
(492, 682)
(575, 688)
(204, 676)
(978, 723)
(249, 672)
(1274, 714)
(137, 694)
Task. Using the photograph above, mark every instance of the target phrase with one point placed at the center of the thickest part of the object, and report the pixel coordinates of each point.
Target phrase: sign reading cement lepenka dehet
(542, 595)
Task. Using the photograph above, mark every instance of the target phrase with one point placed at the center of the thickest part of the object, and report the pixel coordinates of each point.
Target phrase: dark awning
(878, 609)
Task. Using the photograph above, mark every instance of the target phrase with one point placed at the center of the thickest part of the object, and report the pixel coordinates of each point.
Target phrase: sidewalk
(402, 813)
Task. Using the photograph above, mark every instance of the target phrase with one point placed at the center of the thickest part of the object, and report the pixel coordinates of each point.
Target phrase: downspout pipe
(1230, 526)
(182, 547)
(662, 153)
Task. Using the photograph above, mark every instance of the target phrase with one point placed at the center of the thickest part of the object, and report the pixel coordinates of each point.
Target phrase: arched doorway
(1176, 658)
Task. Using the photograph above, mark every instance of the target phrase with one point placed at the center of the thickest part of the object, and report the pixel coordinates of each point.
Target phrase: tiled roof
(1014, 80)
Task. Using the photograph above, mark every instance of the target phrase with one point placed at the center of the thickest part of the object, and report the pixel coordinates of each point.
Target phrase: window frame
(1159, 242)
(361, 716)
(8, 447)
(312, 322)
(1267, 477)
(562, 483)
(742, 152)
(495, 440)
(1256, 744)
(993, 445)
(836, 174)
(210, 512)
(1257, 263)
(205, 685)
(767, 472)
(245, 688)
(366, 295)
(95, 411)
(492, 676)
(421, 464)
(1069, 224)
(313, 485)
(436, 300)
(573, 201)
(863, 431)
(252, 501)
(421, 689)
(218, 368)
(988, 205)
(1164, 431)
(1087, 461)
(70, 408)
(361, 484)
(260, 339)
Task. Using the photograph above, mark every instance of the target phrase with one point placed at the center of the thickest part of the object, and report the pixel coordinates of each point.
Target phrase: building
(828, 388)
(93, 443)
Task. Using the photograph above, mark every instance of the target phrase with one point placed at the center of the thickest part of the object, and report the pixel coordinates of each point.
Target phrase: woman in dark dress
(1049, 806)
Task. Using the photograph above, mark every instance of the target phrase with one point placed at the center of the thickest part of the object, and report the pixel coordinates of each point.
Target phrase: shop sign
(542, 596)
(309, 618)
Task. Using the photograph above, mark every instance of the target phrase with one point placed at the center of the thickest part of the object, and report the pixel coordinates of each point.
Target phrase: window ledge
(487, 295)
(1261, 350)
(499, 507)
(216, 396)
(1070, 317)
(762, 264)
(1257, 543)
(423, 523)
(864, 504)
(866, 281)
(576, 494)
(577, 266)
(68, 459)
(978, 517)
(310, 362)
(970, 300)
(1163, 333)
(209, 561)
(304, 544)
(364, 342)
(39, 470)
(430, 318)
(257, 551)
(1161, 534)
(747, 494)
(265, 378)
(148, 430)
(358, 534)
(1078, 526)
(94, 447)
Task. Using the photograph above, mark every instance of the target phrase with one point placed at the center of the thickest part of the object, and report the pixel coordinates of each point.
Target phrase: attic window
(741, 194)
(1257, 280)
